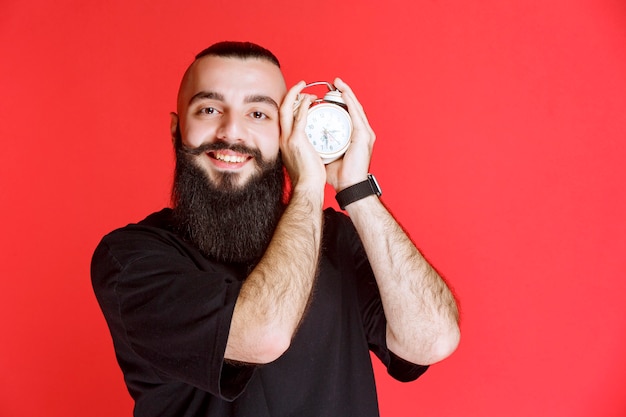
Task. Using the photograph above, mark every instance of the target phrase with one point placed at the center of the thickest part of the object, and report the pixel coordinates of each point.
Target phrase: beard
(228, 223)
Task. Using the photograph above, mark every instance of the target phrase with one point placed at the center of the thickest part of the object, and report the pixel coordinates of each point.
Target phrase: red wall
(501, 143)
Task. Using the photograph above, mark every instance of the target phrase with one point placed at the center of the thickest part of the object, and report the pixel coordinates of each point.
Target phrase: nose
(230, 129)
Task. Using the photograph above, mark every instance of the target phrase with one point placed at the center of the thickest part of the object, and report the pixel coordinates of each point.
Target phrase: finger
(354, 106)
(302, 108)
(359, 118)
(297, 137)
(286, 108)
(347, 93)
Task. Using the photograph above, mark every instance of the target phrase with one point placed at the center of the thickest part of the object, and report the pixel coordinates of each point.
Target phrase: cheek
(193, 137)
(270, 144)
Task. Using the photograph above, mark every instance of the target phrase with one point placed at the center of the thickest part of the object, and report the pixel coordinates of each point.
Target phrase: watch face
(329, 128)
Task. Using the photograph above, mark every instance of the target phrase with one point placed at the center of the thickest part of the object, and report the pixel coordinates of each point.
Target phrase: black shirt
(169, 310)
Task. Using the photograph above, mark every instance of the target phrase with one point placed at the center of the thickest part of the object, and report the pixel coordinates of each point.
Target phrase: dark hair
(242, 50)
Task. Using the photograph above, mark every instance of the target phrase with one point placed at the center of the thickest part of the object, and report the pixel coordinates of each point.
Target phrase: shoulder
(152, 235)
(158, 223)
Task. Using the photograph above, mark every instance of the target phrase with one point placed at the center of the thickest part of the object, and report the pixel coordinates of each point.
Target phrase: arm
(421, 312)
(422, 316)
(274, 296)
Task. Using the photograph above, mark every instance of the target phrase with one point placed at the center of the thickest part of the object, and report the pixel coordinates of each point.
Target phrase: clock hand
(325, 138)
(328, 134)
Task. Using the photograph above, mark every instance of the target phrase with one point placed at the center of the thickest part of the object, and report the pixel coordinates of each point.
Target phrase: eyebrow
(206, 95)
(254, 98)
(260, 98)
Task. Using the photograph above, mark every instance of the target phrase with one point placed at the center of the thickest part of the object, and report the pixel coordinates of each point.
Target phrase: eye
(258, 115)
(207, 110)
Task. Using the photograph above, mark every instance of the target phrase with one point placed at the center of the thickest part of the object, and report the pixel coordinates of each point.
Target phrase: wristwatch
(358, 191)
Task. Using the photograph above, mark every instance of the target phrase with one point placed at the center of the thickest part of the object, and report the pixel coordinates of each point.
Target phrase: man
(247, 300)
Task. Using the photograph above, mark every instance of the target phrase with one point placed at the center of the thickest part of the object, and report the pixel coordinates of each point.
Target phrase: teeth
(230, 158)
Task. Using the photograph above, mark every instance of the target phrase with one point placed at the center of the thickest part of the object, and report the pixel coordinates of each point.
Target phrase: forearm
(422, 316)
(274, 296)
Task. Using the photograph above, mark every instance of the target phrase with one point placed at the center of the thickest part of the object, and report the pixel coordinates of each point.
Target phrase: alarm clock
(328, 124)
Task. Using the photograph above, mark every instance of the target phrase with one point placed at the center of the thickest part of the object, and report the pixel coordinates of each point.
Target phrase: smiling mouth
(229, 158)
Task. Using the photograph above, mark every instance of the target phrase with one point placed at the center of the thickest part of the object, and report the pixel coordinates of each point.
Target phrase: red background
(500, 148)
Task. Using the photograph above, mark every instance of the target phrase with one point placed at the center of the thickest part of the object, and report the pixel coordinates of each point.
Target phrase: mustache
(220, 146)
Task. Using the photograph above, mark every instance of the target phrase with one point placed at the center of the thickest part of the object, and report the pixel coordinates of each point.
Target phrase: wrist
(358, 191)
(308, 192)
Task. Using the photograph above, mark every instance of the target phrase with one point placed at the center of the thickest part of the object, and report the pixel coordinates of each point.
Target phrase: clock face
(329, 128)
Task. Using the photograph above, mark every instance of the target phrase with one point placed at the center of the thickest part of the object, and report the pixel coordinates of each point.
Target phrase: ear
(173, 126)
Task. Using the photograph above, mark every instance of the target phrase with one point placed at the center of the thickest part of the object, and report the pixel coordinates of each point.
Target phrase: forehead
(234, 78)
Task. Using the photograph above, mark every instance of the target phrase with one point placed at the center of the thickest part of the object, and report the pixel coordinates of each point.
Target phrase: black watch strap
(358, 191)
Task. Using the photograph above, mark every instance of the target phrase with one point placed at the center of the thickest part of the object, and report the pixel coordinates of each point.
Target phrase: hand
(354, 165)
(300, 158)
